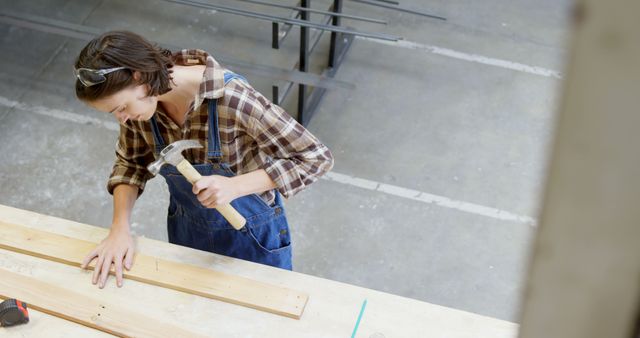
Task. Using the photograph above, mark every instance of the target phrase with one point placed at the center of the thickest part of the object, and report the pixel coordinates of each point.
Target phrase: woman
(253, 153)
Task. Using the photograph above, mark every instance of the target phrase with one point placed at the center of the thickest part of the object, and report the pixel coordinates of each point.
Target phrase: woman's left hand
(215, 190)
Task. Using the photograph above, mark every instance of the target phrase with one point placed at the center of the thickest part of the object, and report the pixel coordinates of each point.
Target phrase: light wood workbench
(332, 309)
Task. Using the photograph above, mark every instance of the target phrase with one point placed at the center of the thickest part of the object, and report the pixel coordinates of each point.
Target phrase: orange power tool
(13, 312)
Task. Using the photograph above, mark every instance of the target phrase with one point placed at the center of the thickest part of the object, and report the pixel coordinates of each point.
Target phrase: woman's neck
(184, 87)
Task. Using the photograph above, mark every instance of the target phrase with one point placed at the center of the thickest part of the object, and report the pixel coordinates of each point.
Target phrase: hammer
(172, 154)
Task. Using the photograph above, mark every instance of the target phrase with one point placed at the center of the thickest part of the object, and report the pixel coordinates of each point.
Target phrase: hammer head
(172, 154)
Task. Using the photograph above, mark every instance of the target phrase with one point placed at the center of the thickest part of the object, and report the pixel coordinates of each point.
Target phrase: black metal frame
(339, 45)
(340, 42)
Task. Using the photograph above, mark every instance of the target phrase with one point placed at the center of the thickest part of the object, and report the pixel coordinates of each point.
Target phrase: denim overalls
(264, 239)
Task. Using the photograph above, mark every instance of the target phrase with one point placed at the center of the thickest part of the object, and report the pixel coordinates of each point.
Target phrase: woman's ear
(137, 76)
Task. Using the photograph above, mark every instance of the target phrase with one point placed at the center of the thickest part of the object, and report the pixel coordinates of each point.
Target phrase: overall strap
(157, 138)
(228, 76)
(214, 153)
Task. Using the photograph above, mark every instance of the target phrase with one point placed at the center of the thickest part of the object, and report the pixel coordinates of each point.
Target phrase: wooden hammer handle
(228, 212)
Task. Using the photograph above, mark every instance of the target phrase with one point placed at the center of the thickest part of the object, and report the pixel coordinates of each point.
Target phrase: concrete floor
(447, 124)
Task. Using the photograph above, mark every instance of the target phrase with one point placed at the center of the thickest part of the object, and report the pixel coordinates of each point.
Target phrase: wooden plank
(152, 270)
(45, 325)
(115, 319)
(332, 310)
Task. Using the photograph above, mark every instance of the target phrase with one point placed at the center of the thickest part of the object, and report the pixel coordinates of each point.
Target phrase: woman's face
(131, 103)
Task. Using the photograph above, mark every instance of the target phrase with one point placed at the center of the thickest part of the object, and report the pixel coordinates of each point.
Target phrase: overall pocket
(272, 235)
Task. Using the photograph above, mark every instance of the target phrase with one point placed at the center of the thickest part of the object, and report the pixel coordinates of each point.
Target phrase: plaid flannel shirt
(254, 134)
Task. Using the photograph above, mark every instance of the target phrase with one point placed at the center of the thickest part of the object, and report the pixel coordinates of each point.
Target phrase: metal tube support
(287, 28)
(337, 8)
(275, 35)
(304, 59)
(340, 44)
(275, 94)
(316, 95)
(314, 43)
(318, 34)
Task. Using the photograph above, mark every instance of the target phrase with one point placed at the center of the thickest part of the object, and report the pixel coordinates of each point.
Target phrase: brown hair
(124, 49)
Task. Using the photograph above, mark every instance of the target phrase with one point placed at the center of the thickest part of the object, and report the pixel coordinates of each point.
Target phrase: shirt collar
(212, 84)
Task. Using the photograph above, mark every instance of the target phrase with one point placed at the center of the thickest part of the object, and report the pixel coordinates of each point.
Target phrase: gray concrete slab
(520, 31)
(457, 129)
(61, 169)
(67, 10)
(454, 259)
(417, 120)
(21, 66)
(53, 166)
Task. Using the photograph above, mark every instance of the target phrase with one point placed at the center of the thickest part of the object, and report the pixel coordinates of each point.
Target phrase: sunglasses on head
(91, 77)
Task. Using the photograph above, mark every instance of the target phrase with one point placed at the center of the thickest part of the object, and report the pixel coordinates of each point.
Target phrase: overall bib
(264, 239)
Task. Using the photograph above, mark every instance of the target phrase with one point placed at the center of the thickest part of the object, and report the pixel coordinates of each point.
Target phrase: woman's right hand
(117, 248)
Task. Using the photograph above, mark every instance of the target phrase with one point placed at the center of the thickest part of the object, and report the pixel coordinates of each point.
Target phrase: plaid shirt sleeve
(294, 157)
(132, 156)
